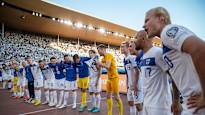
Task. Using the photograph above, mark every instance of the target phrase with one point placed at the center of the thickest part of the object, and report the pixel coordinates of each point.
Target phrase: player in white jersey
(49, 82)
(38, 82)
(95, 81)
(184, 53)
(156, 89)
(22, 80)
(132, 72)
(139, 95)
(6, 76)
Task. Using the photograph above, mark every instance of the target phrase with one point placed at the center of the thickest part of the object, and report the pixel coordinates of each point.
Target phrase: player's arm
(106, 64)
(196, 48)
(99, 73)
(176, 105)
(136, 78)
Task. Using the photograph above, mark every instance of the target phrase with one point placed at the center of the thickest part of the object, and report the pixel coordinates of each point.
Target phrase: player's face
(29, 61)
(66, 59)
(77, 60)
(41, 64)
(100, 51)
(53, 61)
(138, 43)
(152, 24)
(91, 54)
(123, 48)
(132, 46)
(24, 64)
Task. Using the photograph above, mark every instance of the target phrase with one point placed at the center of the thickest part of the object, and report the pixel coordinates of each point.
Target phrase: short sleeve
(159, 60)
(173, 36)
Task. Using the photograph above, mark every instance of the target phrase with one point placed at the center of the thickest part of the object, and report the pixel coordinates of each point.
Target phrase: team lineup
(160, 81)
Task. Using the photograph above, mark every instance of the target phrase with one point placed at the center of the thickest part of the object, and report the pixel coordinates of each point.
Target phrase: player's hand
(135, 90)
(196, 101)
(176, 108)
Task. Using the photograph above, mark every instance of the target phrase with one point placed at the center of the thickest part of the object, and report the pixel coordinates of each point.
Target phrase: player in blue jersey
(70, 85)
(59, 81)
(30, 79)
(83, 74)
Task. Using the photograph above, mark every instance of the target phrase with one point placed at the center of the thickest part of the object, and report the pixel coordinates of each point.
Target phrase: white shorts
(155, 111)
(22, 82)
(92, 87)
(60, 83)
(6, 77)
(46, 84)
(70, 85)
(130, 95)
(139, 97)
(1, 79)
(38, 83)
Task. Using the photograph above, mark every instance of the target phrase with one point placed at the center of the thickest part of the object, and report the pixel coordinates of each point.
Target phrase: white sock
(55, 97)
(27, 93)
(4, 85)
(47, 95)
(74, 97)
(39, 94)
(66, 95)
(93, 100)
(51, 97)
(98, 100)
(36, 94)
(140, 112)
(132, 110)
(9, 84)
(60, 98)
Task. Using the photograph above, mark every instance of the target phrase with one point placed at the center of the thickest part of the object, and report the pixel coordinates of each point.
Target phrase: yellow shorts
(113, 85)
(15, 81)
(83, 82)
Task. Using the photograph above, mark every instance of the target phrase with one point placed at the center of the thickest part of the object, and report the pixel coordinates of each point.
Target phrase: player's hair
(160, 11)
(40, 61)
(93, 51)
(65, 55)
(28, 57)
(76, 56)
(101, 46)
(52, 58)
(126, 43)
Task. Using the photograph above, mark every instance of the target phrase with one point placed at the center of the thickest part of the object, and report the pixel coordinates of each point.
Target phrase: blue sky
(130, 13)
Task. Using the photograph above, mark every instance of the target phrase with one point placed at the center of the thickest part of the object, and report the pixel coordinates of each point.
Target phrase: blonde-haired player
(112, 85)
(184, 53)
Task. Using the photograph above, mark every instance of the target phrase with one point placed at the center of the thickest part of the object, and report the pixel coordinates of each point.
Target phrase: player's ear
(161, 19)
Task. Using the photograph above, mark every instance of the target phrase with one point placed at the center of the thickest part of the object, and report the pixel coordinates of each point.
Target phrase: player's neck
(147, 47)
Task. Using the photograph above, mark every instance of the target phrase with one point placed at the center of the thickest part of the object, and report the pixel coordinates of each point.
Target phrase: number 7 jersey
(156, 87)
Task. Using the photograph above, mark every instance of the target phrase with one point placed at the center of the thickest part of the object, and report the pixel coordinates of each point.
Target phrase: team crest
(172, 32)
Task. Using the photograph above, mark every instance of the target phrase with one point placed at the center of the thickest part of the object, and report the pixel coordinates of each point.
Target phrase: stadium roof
(43, 17)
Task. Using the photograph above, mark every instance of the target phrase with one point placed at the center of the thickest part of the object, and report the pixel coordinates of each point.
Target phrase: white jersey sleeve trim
(173, 36)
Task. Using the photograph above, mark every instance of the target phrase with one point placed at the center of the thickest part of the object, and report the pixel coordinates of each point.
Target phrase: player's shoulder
(170, 30)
